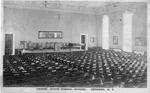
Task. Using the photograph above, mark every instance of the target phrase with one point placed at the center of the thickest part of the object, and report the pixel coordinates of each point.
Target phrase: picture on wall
(50, 34)
(115, 40)
(141, 41)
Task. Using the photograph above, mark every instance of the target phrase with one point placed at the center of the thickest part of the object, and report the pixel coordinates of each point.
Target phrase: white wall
(139, 27)
(25, 24)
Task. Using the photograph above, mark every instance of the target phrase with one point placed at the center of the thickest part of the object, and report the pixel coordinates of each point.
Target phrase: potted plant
(22, 44)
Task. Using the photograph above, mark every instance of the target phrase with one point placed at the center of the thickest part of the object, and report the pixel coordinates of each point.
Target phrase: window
(105, 32)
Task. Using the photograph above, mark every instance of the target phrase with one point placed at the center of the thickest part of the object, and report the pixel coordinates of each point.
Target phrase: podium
(18, 51)
(57, 47)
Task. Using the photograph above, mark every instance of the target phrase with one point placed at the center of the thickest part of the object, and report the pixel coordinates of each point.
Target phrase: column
(105, 32)
(127, 31)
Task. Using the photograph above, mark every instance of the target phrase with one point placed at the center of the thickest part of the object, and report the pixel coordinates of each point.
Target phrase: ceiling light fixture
(45, 4)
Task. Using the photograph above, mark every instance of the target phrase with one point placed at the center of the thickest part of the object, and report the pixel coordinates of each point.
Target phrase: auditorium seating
(93, 68)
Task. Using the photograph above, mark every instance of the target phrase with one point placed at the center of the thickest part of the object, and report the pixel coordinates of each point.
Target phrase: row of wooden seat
(95, 67)
(113, 67)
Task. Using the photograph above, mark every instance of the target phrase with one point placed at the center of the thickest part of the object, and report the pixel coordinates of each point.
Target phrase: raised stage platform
(20, 51)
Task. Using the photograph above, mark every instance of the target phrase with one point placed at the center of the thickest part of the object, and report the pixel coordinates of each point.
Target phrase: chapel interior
(74, 44)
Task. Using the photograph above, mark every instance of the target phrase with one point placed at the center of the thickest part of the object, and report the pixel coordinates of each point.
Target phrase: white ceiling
(85, 3)
(80, 3)
(93, 4)
(73, 6)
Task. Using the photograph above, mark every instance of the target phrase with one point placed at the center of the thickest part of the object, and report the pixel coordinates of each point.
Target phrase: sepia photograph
(72, 46)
